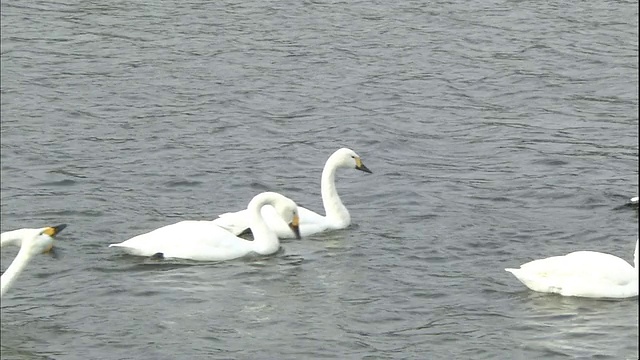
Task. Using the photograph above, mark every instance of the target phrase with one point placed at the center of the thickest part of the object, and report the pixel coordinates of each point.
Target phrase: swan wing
(601, 267)
(234, 222)
(310, 217)
(196, 240)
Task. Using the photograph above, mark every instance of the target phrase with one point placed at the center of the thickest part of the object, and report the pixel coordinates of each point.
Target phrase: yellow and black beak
(295, 226)
(52, 231)
(360, 166)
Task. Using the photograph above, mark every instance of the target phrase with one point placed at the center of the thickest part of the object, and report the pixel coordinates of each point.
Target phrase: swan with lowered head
(337, 215)
(31, 242)
(583, 274)
(205, 241)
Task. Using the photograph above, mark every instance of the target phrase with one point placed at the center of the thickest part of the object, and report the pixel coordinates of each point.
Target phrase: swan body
(205, 241)
(337, 215)
(581, 273)
(634, 200)
(31, 242)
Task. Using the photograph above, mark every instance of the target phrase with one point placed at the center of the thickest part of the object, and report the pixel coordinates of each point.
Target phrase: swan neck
(14, 270)
(265, 241)
(333, 206)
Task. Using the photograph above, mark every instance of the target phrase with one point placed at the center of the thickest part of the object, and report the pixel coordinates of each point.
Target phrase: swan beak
(295, 226)
(360, 166)
(52, 231)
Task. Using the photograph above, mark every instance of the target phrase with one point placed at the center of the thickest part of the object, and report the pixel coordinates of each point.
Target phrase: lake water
(498, 132)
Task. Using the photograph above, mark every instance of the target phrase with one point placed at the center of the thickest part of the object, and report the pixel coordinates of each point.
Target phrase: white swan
(337, 217)
(582, 273)
(205, 241)
(32, 242)
(634, 200)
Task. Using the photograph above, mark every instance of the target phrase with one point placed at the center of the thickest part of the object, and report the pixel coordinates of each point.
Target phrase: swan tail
(130, 250)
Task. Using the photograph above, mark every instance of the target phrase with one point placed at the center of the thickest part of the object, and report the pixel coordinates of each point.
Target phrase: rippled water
(497, 132)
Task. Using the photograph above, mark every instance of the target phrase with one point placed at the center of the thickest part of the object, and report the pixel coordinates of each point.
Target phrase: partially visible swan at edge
(205, 241)
(582, 273)
(337, 215)
(31, 242)
(634, 200)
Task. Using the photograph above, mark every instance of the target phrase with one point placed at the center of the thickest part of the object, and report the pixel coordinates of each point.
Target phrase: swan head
(348, 158)
(41, 240)
(288, 211)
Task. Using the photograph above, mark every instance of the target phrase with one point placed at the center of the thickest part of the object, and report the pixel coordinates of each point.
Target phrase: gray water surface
(498, 132)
